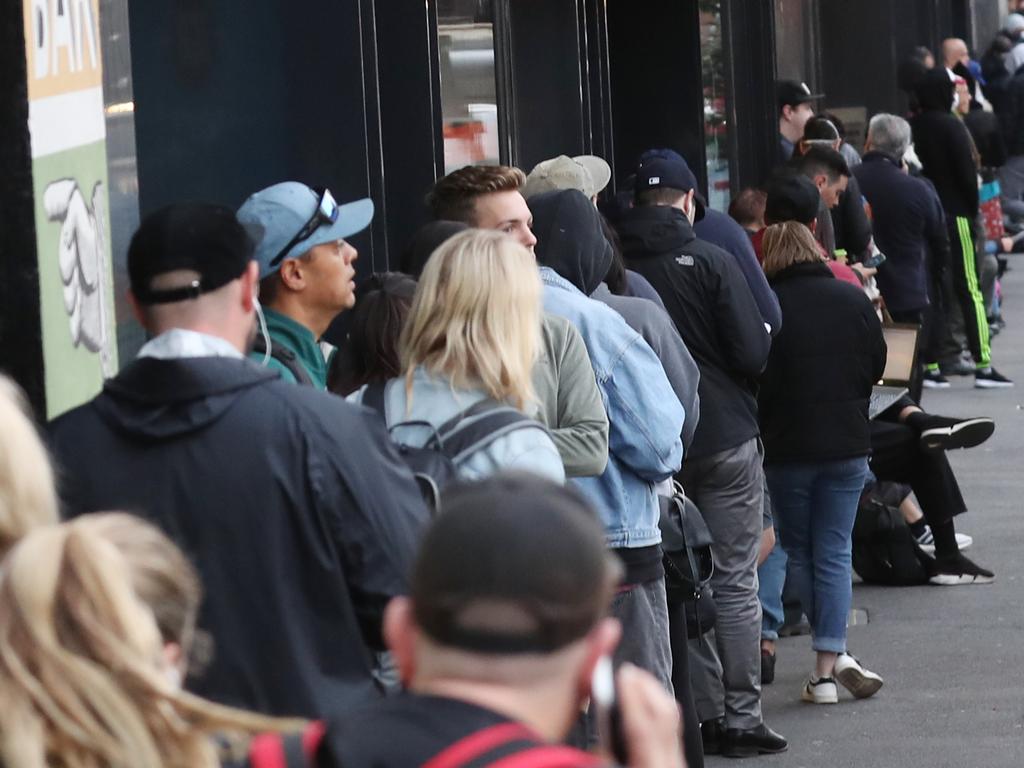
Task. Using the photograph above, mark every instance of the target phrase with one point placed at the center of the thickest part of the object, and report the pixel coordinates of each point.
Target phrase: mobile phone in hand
(608, 716)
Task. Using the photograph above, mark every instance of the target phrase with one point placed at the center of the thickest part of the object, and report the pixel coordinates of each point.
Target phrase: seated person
(499, 640)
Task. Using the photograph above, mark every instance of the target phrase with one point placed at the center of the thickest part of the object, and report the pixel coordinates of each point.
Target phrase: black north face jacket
(292, 504)
(707, 296)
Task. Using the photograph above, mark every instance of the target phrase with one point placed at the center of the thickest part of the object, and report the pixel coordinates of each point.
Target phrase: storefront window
(469, 104)
(716, 126)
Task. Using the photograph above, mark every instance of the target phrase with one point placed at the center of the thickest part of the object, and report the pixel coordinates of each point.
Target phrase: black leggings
(693, 747)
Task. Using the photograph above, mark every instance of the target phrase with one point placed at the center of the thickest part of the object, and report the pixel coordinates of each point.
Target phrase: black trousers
(966, 288)
(693, 748)
(897, 457)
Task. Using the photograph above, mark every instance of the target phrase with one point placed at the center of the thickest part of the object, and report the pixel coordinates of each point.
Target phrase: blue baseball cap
(289, 218)
(667, 168)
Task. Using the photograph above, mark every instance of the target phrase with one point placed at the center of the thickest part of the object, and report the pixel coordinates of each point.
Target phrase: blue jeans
(815, 506)
(771, 578)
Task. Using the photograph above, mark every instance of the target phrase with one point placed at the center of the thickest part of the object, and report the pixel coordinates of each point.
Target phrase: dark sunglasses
(326, 213)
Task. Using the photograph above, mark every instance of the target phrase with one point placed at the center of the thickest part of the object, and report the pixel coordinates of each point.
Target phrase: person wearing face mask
(716, 315)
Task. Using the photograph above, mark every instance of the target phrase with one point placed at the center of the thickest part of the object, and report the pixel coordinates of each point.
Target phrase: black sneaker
(934, 380)
(711, 734)
(751, 742)
(954, 570)
(990, 378)
(960, 434)
(767, 667)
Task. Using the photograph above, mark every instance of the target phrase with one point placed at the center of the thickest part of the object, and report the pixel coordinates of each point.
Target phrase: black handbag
(686, 554)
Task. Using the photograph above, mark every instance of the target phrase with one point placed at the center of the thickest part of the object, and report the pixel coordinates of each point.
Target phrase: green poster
(75, 279)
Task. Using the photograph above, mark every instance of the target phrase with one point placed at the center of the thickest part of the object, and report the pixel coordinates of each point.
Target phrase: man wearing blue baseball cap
(306, 272)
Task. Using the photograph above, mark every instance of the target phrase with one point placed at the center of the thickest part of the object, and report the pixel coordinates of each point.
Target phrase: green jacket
(299, 339)
(570, 403)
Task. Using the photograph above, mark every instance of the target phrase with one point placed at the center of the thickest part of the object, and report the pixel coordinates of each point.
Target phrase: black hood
(654, 229)
(159, 399)
(935, 91)
(570, 239)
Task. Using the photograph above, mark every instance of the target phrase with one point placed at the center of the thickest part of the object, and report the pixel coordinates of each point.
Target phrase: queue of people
(437, 541)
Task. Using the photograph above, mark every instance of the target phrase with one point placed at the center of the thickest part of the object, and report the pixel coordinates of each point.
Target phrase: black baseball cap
(791, 196)
(199, 237)
(513, 564)
(667, 168)
(793, 93)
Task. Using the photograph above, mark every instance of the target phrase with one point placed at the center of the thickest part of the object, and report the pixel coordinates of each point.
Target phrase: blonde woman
(472, 338)
(27, 495)
(813, 409)
(83, 678)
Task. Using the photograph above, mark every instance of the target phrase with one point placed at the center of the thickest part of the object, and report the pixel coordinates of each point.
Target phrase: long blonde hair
(27, 495)
(475, 318)
(81, 676)
(787, 244)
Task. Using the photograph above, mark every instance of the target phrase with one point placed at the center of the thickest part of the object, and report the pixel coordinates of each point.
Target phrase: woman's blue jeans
(815, 506)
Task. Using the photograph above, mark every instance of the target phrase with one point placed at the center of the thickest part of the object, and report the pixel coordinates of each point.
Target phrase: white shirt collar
(179, 342)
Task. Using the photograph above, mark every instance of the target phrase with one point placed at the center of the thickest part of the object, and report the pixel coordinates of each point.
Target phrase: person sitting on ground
(27, 495)
(747, 209)
(499, 640)
(488, 197)
(370, 352)
(472, 336)
(85, 676)
(813, 408)
(306, 272)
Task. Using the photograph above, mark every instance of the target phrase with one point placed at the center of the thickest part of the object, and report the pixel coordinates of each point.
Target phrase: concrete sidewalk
(952, 657)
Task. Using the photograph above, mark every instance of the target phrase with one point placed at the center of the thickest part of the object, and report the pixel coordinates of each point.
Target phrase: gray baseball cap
(587, 173)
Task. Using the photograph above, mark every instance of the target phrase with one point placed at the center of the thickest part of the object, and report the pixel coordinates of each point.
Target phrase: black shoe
(752, 742)
(990, 378)
(767, 667)
(956, 569)
(934, 380)
(711, 734)
(959, 434)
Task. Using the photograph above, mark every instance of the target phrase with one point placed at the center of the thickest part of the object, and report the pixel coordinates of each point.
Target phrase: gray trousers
(725, 665)
(643, 613)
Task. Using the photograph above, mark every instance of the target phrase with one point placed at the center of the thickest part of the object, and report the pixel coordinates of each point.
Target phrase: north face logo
(684, 260)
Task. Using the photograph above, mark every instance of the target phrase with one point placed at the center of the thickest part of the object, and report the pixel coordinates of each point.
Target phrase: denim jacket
(644, 415)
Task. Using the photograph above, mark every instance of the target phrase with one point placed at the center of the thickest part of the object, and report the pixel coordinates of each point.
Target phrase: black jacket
(815, 389)
(850, 223)
(707, 297)
(1011, 113)
(944, 147)
(293, 505)
(910, 230)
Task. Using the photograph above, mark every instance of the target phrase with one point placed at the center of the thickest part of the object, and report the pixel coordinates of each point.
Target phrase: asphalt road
(952, 657)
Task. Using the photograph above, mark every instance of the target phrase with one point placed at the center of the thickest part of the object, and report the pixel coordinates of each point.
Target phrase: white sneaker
(854, 678)
(927, 542)
(820, 691)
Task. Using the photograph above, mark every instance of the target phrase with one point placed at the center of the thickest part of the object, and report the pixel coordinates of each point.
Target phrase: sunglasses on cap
(326, 213)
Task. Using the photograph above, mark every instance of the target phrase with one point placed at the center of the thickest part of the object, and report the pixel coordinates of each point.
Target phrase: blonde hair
(787, 244)
(27, 494)
(475, 318)
(80, 666)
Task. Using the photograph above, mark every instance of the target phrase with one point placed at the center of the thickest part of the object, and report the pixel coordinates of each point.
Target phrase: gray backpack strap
(478, 427)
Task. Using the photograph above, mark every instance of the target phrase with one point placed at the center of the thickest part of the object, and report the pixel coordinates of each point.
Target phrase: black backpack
(285, 357)
(435, 465)
(686, 555)
(884, 549)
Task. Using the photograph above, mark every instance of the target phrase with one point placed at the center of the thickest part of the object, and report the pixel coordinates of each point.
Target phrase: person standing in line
(489, 197)
(306, 273)
(947, 157)
(295, 506)
(813, 410)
